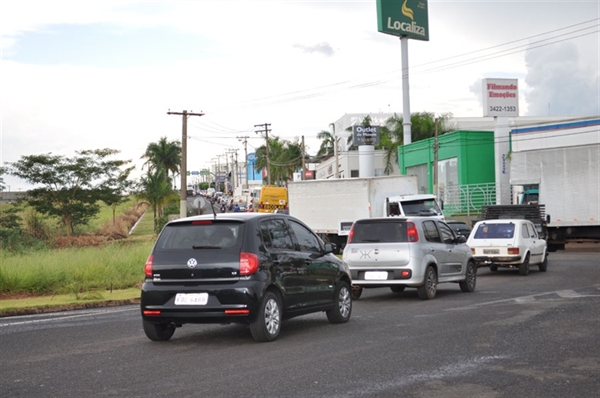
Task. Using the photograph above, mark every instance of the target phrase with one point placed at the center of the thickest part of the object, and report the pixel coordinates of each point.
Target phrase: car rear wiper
(206, 247)
(371, 240)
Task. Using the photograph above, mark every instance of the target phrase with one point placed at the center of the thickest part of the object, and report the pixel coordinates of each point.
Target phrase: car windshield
(495, 231)
(199, 235)
(379, 232)
(425, 207)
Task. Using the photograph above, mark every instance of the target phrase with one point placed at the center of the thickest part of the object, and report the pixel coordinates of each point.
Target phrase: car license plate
(491, 251)
(191, 299)
(376, 275)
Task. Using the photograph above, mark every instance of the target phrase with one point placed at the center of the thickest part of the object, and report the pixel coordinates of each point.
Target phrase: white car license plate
(491, 251)
(376, 275)
(191, 299)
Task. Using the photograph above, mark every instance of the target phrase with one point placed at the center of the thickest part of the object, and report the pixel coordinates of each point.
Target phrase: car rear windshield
(380, 232)
(495, 231)
(204, 234)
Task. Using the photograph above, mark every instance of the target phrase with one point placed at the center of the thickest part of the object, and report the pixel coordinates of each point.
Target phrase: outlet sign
(365, 135)
(403, 18)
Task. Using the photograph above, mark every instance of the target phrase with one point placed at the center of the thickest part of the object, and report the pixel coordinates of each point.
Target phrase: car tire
(429, 288)
(267, 324)
(524, 267)
(341, 311)
(493, 268)
(356, 292)
(544, 264)
(468, 285)
(158, 331)
(397, 289)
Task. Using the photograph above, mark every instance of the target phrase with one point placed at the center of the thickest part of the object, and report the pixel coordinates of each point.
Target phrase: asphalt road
(515, 336)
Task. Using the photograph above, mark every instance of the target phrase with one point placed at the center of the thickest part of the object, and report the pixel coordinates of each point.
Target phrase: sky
(87, 74)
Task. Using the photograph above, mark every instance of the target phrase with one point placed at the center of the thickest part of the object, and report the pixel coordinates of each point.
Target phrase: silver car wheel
(272, 316)
(345, 302)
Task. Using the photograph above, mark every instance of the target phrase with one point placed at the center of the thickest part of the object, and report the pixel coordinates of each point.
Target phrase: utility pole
(245, 141)
(302, 176)
(266, 130)
(183, 193)
(436, 147)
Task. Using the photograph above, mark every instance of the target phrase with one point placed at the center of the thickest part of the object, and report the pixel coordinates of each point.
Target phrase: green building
(466, 168)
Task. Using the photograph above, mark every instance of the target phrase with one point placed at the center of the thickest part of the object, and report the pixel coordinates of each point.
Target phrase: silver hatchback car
(415, 252)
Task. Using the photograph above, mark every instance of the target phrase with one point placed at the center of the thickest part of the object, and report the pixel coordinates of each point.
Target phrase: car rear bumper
(499, 260)
(394, 277)
(228, 303)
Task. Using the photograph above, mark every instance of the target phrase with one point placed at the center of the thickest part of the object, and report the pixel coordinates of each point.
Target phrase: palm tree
(285, 158)
(422, 127)
(165, 155)
(155, 188)
(328, 141)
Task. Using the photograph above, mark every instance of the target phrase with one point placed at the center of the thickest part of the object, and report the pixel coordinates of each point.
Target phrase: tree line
(71, 188)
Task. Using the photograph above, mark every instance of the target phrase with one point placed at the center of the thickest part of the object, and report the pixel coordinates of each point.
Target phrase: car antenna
(213, 208)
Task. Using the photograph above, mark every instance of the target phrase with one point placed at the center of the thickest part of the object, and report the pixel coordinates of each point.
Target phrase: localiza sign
(365, 135)
(500, 97)
(403, 18)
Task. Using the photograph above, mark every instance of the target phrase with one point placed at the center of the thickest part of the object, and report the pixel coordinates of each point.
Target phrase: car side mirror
(461, 239)
(330, 247)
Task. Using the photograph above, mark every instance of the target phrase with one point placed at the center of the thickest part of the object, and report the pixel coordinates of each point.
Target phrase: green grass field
(58, 277)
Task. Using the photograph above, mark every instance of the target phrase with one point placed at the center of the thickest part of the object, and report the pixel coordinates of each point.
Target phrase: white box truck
(330, 207)
(560, 164)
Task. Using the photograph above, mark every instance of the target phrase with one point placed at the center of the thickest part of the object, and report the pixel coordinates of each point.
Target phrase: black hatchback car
(250, 268)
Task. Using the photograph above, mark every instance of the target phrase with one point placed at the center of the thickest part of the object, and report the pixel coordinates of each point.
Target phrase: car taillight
(248, 263)
(513, 250)
(148, 266)
(411, 232)
(351, 235)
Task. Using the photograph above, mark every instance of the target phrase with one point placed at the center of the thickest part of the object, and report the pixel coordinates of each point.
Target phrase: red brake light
(202, 222)
(148, 266)
(513, 250)
(248, 263)
(411, 232)
(351, 234)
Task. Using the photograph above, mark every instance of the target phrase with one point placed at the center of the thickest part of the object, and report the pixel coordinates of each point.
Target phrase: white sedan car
(511, 243)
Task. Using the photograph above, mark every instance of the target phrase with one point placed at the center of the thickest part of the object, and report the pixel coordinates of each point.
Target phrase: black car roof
(227, 216)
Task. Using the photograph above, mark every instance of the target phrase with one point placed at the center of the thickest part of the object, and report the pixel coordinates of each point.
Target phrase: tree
(70, 188)
(422, 127)
(327, 141)
(285, 157)
(155, 188)
(163, 154)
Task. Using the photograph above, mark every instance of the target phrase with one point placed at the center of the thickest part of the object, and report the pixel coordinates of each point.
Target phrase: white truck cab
(419, 205)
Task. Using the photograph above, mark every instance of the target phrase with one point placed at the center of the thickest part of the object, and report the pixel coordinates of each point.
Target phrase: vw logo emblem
(192, 263)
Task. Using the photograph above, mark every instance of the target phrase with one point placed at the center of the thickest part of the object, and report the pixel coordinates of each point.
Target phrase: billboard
(403, 18)
(500, 97)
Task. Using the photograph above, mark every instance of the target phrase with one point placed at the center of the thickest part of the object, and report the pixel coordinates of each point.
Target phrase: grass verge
(65, 302)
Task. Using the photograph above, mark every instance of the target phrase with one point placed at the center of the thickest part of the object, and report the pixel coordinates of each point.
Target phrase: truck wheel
(429, 289)
(397, 288)
(356, 292)
(524, 267)
(493, 268)
(544, 264)
(468, 285)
